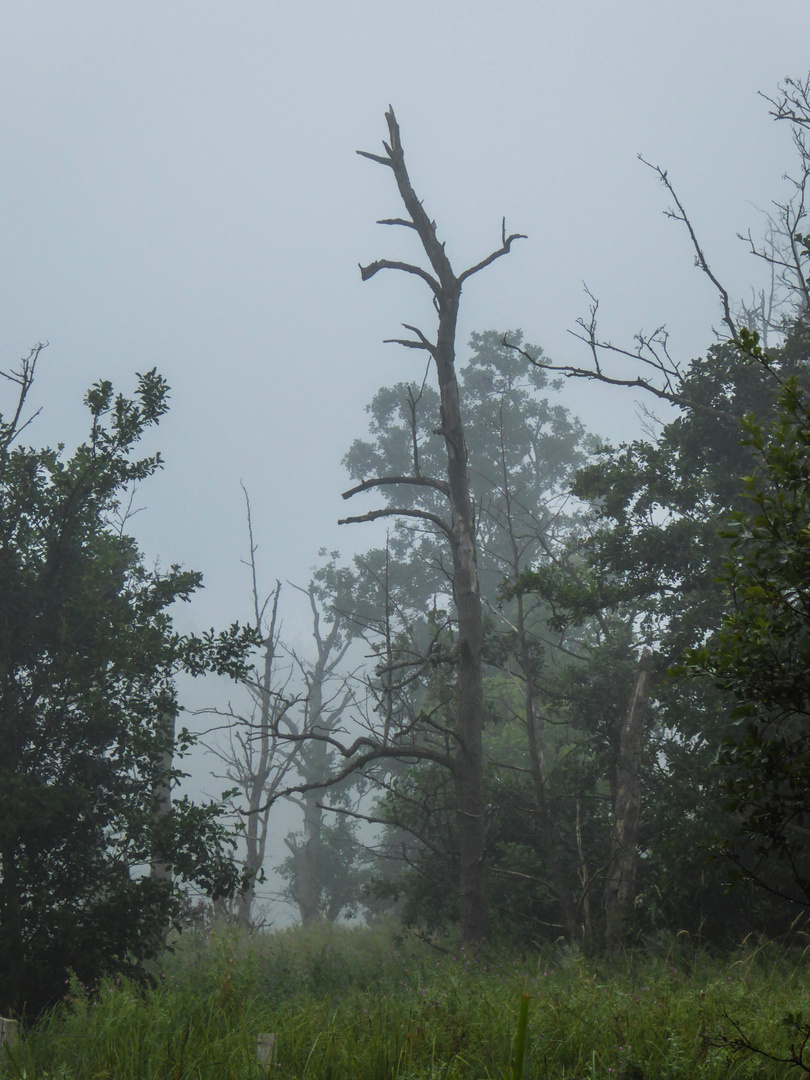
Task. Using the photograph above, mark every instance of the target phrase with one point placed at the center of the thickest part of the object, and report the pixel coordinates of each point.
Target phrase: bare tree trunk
(160, 869)
(307, 853)
(308, 891)
(262, 764)
(322, 716)
(468, 771)
(460, 530)
(621, 875)
(545, 821)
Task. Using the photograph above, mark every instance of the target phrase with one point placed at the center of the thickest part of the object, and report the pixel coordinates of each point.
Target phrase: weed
(369, 1005)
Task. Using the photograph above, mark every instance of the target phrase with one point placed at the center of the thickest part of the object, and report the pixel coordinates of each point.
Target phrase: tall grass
(371, 1005)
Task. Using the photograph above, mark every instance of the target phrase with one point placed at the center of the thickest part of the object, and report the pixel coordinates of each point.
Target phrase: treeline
(568, 697)
(627, 762)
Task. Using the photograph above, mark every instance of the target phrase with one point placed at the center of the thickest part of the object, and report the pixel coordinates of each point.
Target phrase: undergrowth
(375, 1005)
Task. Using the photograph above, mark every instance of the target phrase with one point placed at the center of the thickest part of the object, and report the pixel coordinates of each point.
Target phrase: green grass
(369, 1005)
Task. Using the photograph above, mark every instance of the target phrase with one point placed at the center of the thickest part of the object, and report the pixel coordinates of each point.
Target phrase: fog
(181, 190)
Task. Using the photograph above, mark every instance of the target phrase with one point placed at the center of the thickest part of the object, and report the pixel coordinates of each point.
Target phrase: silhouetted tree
(457, 524)
(88, 658)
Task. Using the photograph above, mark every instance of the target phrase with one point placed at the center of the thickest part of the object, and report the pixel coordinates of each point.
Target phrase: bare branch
(665, 378)
(420, 836)
(407, 343)
(373, 515)
(667, 392)
(423, 341)
(701, 262)
(418, 481)
(506, 243)
(369, 271)
(413, 401)
(785, 249)
(396, 221)
(376, 752)
(376, 157)
(395, 160)
(793, 104)
(24, 378)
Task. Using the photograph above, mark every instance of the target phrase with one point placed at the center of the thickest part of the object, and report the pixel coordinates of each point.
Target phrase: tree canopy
(760, 653)
(88, 659)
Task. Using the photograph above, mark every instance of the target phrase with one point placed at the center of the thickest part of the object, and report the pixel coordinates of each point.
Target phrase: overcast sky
(180, 189)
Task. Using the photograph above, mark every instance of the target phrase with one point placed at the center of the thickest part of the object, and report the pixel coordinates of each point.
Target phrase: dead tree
(280, 747)
(258, 758)
(458, 527)
(324, 705)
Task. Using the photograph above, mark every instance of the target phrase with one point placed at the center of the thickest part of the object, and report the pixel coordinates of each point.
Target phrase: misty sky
(180, 189)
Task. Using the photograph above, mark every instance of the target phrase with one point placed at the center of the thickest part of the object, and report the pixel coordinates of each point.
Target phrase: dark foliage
(761, 655)
(88, 657)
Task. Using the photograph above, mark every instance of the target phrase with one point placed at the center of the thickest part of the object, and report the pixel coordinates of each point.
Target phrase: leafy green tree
(650, 563)
(524, 449)
(760, 654)
(643, 573)
(88, 659)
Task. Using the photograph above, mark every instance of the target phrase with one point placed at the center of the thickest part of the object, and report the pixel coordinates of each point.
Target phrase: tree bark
(621, 875)
(468, 770)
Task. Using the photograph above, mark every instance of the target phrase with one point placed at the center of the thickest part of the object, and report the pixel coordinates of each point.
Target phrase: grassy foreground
(368, 1005)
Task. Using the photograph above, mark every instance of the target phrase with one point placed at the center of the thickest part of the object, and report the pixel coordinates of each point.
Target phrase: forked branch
(793, 103)
(663, 376)
(382, 481)
(446, 289)
(701, 262)
(23, 377)
(393, 511)
(394, 158)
